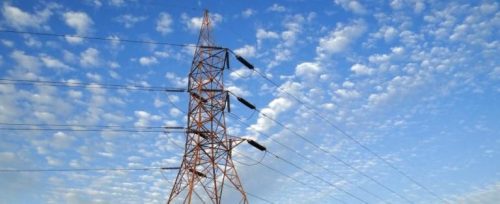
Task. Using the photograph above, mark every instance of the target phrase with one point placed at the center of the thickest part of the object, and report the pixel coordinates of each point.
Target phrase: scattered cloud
(164, 23)
(194, 23)
(90, 58)
(488, 194)
(262, 34)
(79, 21)
(148, 61)
(144, 118)
(20, 19)
(277, 8)
(129, 20)
(248, 12)
(116, 3)
(246, 51)
(308, 69)
(339, 39)
(360, 69)
(25, 61)
(51, 62)
(61, 140)
(351, 5)
(273, 110)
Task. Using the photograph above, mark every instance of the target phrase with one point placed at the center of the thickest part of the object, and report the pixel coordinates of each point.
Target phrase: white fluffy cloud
(360, 69)
(144, 118)
(276, 8)
(147, 61)
(25, 61)
(274, 108)
(51, 62)
(351, 5)
(246, 51)
(248, 12)
(90, 58)
(20, 19)
(117, 3)
(79, 21)
(339, 39)
(194, 24)
(164, 23)
(488, 194)
(262, 34)
(130, 20)
(308, 69)
(61, 140)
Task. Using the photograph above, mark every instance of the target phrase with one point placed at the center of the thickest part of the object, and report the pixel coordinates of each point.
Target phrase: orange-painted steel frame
(207, 166)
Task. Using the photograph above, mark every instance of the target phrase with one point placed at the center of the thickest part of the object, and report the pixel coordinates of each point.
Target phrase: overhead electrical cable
(274, 170)
(322, 117)
(335, 157)
(85, 169)
(83, 125)
(307, 158)
(90, 130)
(70, 84)
(97, 38)
(319, 178)
(251, 106)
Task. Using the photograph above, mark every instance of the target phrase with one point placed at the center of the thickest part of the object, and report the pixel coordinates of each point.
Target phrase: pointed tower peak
(205, 37)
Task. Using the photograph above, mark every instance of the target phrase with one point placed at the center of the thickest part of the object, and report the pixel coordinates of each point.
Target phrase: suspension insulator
(195, 95)
(198, 173)
(227, 59)
(200, 133)
(228, 103)
(244, 62)
(256, 145)
(246, 103)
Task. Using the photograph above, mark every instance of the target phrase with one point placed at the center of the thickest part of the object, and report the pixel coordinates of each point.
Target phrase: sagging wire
(254, 164)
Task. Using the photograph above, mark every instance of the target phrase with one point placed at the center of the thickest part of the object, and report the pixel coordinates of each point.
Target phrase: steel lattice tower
(207, 166)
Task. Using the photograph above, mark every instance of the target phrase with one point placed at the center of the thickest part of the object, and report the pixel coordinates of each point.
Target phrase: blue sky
(416, 81)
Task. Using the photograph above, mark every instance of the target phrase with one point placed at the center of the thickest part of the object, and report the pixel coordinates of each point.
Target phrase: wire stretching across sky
(308, 159)
(251, 106)
(272, 169)
(69, 84)
(350, 137)
(86, 169)
(97, 38)
(296, 98)
(336, 158)
(307, 172)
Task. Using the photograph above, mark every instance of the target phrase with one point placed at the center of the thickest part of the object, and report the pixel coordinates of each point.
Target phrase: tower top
(205, 38)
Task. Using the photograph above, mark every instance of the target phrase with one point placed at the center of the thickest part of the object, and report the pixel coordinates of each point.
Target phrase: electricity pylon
(207, 166)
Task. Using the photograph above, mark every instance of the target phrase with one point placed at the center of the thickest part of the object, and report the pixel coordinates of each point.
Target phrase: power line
(85, 169)
(92, 130)
(252, 195)
(307, 158)
(274, 170)
(90, 85)
(98, 126)
(76, 128)
(335, 157)
(322, 117)
(317, 177)
(98, 38)
(257, 162)
(251, 106)
(288, 176)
